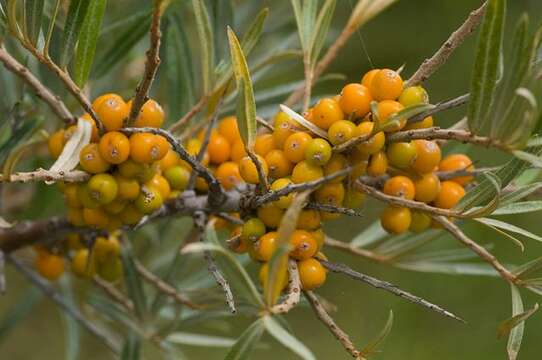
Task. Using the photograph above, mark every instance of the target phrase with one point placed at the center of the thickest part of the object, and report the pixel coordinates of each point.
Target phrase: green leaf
(132, 347)
(509, 227)
(372, 347)
(22, 131)
(246, 112)
(16, 313)
(34, 14)
(309, 22)
(369, 235)
(206, 41)
(449, 268)
(409, 112)
(520, 193)
(117, 50)
(505, 234)
(506, 326)
(223, 15)
(486, 65)
(528, 268)
(86, 44)
(519, 208)
(74, 20)
(493, 204)
(185, 338)
(243, 347)
(72, 334)
(516, 334)
(134, 283)
(286, 339)
(532, 159)
(319, 34)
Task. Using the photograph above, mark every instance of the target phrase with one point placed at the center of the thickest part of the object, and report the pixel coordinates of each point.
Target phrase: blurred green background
(405, 34)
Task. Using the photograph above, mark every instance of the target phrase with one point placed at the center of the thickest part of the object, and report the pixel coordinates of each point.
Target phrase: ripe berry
(386, 110)
(235, 243)
(368, 78)
(131, 169)
(114, 208)
(375, 143)
(70, 196)
(115, 147)
(396, 220)
(106, 247)
(278, 163)
(424, 124)
(427, 156)
(83, 264)
(319, 236)
(420, 221)
(264, 144)
(96, 218)
(378, 164)
(284, 201)
(149, 200)
(284, 126)
(399, 186)
(386, 85)
(318, 152)
(193, 147)
(457, 162)
(84, 196)
(252, 230)
(248, 169)
(294, 146)
(170, 160)
(238, 151)
(308, 220)
(75, 216)
(413, 95)
(130, 215)
(73, 241)
(56, 143)
(150, 115)
(326, 112)
(146, 148)
(353, 199)
(359, 162)
(159, 183)
(336, 163)
(303, 245)
(219, 148)
(100, 99)
(103, 188)
(266, 246)
(228, 175)
(91, 161)
(427, 187)
(271, 215)
(263, 274)
(229, 129)
(49, 266)
(402, 154)
(341, 131)
(355, 100)
(112, 111)
(304, 172)
(312, 274)
(330, 194)
(449, 195)
(94, 137)
(128, 188)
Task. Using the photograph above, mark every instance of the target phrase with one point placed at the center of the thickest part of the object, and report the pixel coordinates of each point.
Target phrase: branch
(479, 250)
(294, 290)
(441, 106)
(113, 293)
(151, 65)
(179, 124)
(384, 285)
(263, 184)
(46, 175)
(429, 66)
(59, 301)
(328, 321)
(336, 244)
(54, 102)
(333, 209)
(164, 287)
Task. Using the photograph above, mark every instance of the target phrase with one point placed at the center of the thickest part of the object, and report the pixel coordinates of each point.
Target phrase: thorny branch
(294, 290)
(441, 106)
(47, 175)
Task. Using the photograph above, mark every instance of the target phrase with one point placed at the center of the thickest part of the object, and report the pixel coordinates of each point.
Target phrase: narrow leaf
(519, 208)
(370, 235)
(303, 122)
(372, 347)
(34, 14)
(243, 347)
(13, 315)
(185, 338)
(534, 160)
(134, 283)
(74, 20)
(206, 41)
(286, 339)
(516, 334)
(506, 326)
(132, 347)
(509, 227)
(88, 37)
(321, 29)
(520, 193)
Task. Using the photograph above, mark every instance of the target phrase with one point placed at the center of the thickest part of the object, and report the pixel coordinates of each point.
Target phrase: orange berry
(318, 151)
(326, 112)
(375, 143)
(284, 126)
(387, 109)
(130, 215)
(114, 208)
(75, 216)
(427, 187)
(56, 143)
(303, 245)
(219, 148)
(336, 163)
(263, 274)
(83, 264)
(95, 136)
(308, 220)
(146, 148)
(170, 160)
(193, 147)
(159, 183)
(427, 156)
(103, 188)
(294, 146)
(150, 115)
(114, 147)
(457, 162)
(49, 266)
(396, 220)
(449, 195)
(311, 273)
(304, 172)
(278, 163)
(112, 111)
(284, 201)
(100, 99)
(248, 169)
(368, 78)
(355, 100)
(341, 131)
(413, 95)
(252, 230)
(228, 128)
(228, 175)
(353, 199)
(330, 194)
(386, 85)
(266, 246)
(400, 186)
(271, 215)
(264, 144)
(424, 124)
(105, 247)
(420, 221)
(96, 218)
(91, 160)
(402, 154)
(320, 238)
(70, 196)
(378, 164)
(238, 150)
(235, 243)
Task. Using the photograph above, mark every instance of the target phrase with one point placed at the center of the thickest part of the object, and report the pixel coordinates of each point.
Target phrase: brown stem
(47, 175)
(294, 290)
(179, 124)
